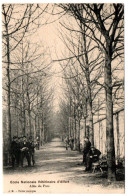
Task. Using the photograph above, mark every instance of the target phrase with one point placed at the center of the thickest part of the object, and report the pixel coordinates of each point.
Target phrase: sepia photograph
(63, 99)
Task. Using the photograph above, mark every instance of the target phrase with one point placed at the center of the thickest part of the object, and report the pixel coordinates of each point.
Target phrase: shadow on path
(53, 159)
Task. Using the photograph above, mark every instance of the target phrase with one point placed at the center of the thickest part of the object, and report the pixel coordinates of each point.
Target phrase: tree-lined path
(63, 77)
(54, 163)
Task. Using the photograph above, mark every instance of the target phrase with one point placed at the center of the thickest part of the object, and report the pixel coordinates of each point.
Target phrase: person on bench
(92, 157)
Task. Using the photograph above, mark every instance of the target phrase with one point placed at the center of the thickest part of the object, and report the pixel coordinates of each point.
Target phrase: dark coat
(94, 155)
(87, 146)
(14, 147)
(31, 147)
(24, 145)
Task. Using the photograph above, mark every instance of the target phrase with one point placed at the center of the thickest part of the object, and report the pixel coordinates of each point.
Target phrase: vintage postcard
(63, 98)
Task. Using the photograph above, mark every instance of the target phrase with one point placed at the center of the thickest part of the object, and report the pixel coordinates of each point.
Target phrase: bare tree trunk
(99, 124)
(29, 110)
(69, 127)
(43, 133)
(17, 119)
(8, 92)
(78, 138)
(91, 131)
(34, 128)
(109, 119)
(24, 121)
(118, 135)
(87, 75)
(74, 135)
(29, 113)
(23, 112)
(40, 131)
(23, 97)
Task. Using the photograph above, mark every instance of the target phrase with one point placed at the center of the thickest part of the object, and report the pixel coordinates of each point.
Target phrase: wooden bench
(96, 166)
(100, 165)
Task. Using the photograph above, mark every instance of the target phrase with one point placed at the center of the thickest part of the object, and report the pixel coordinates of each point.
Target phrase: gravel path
(57, 171)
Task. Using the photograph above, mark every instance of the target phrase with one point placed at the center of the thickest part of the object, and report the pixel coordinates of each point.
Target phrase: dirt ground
(57, 171)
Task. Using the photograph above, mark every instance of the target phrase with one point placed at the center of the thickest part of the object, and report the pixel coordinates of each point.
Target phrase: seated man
(92, 157)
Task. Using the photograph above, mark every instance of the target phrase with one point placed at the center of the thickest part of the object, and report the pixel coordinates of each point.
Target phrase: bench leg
(101, 170)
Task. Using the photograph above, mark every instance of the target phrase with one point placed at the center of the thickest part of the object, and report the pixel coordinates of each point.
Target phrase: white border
(126, 81)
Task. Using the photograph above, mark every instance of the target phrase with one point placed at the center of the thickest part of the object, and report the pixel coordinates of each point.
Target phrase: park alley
(57, 171)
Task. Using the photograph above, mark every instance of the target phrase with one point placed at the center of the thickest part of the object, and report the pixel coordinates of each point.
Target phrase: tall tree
(16, 22)
(107, 32)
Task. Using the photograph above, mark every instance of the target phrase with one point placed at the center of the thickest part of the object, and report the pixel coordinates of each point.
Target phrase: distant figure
(87, 145)
(92, 157)
(32, 150)
(20, 145)
(25, 151)
(18, 154)
(66, 142)
(13, 151)
(37, 143)
(71, 141)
